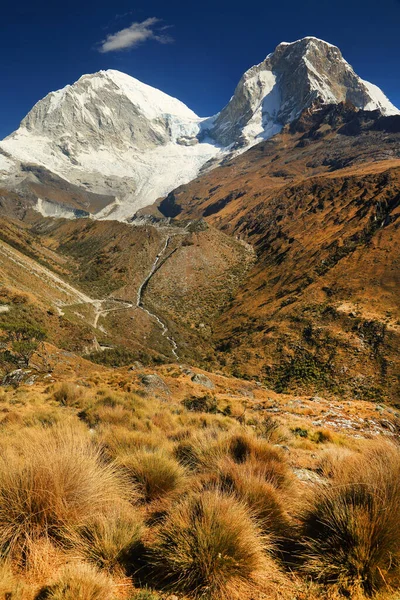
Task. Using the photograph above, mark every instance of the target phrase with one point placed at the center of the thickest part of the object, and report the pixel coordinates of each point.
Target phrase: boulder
(154, 382)
(16, 377)
(202, 380)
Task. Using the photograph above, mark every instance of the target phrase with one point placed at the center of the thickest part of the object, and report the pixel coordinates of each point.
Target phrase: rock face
(15, 378)
(113, 136)
(155, 383)
(292, 78)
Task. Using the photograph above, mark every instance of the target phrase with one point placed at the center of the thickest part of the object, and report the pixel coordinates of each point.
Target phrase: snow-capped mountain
(110, 134)
(275, 92)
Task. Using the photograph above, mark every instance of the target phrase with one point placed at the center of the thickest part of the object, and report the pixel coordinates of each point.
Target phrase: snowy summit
(112, 134)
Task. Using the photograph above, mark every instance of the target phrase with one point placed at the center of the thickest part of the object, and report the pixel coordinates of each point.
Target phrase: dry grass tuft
(266, 461)
(80, 581)
(266, 503)
(42, 559)
(67, 394)
(119, 441)
(351, 527)
(205, 451)
(210, 547)
(333, 460)
(155, 474)
(108, 540)
(201, 450)
(243, 446)
(52, 481)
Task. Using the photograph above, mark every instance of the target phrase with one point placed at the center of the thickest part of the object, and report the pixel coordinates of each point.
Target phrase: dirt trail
(73, 295)
(125, 305)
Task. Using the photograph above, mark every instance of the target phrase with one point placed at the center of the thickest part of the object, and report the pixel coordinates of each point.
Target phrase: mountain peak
(113, 134)
(307, 40)
(289, 80)
(90, 89)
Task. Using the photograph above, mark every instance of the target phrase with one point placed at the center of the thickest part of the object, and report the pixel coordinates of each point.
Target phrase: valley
(124, 309)
(139, 302)
(325, 235)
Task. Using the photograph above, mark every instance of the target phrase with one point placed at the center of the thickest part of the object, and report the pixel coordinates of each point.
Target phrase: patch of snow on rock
(379, 100)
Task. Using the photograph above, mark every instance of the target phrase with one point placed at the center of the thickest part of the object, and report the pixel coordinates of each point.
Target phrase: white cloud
(136, 34)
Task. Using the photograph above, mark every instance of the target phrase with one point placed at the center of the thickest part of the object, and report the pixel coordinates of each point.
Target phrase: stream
(139, 300)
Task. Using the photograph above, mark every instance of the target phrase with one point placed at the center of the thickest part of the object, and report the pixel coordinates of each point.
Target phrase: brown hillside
(320, 204)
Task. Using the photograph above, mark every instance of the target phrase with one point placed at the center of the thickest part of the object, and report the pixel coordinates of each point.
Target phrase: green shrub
(145, 595)
(23, 340)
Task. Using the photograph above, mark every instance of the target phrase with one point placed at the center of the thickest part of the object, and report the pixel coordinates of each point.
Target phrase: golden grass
(267, 461)
(119, 441)
(80, 581)
(81, 471)
(67, 393)
(10, 587)
(201, 450)
(52, 481)
(265, 502)
(351, 526)
(107, 540)
(210, 547)
(155, 474)
(332, 460)
(42, 558)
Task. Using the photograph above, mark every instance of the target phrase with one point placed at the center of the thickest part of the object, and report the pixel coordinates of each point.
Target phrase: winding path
(102, 312)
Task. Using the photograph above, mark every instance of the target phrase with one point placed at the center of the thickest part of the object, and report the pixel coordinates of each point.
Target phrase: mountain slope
(104, 280)
(320, 203)
(311, 306)
(111, 135)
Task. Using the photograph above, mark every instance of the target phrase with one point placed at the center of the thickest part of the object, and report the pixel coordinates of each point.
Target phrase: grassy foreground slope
(173, 482)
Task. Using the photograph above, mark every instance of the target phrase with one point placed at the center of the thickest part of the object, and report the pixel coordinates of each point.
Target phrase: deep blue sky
(45, 45)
